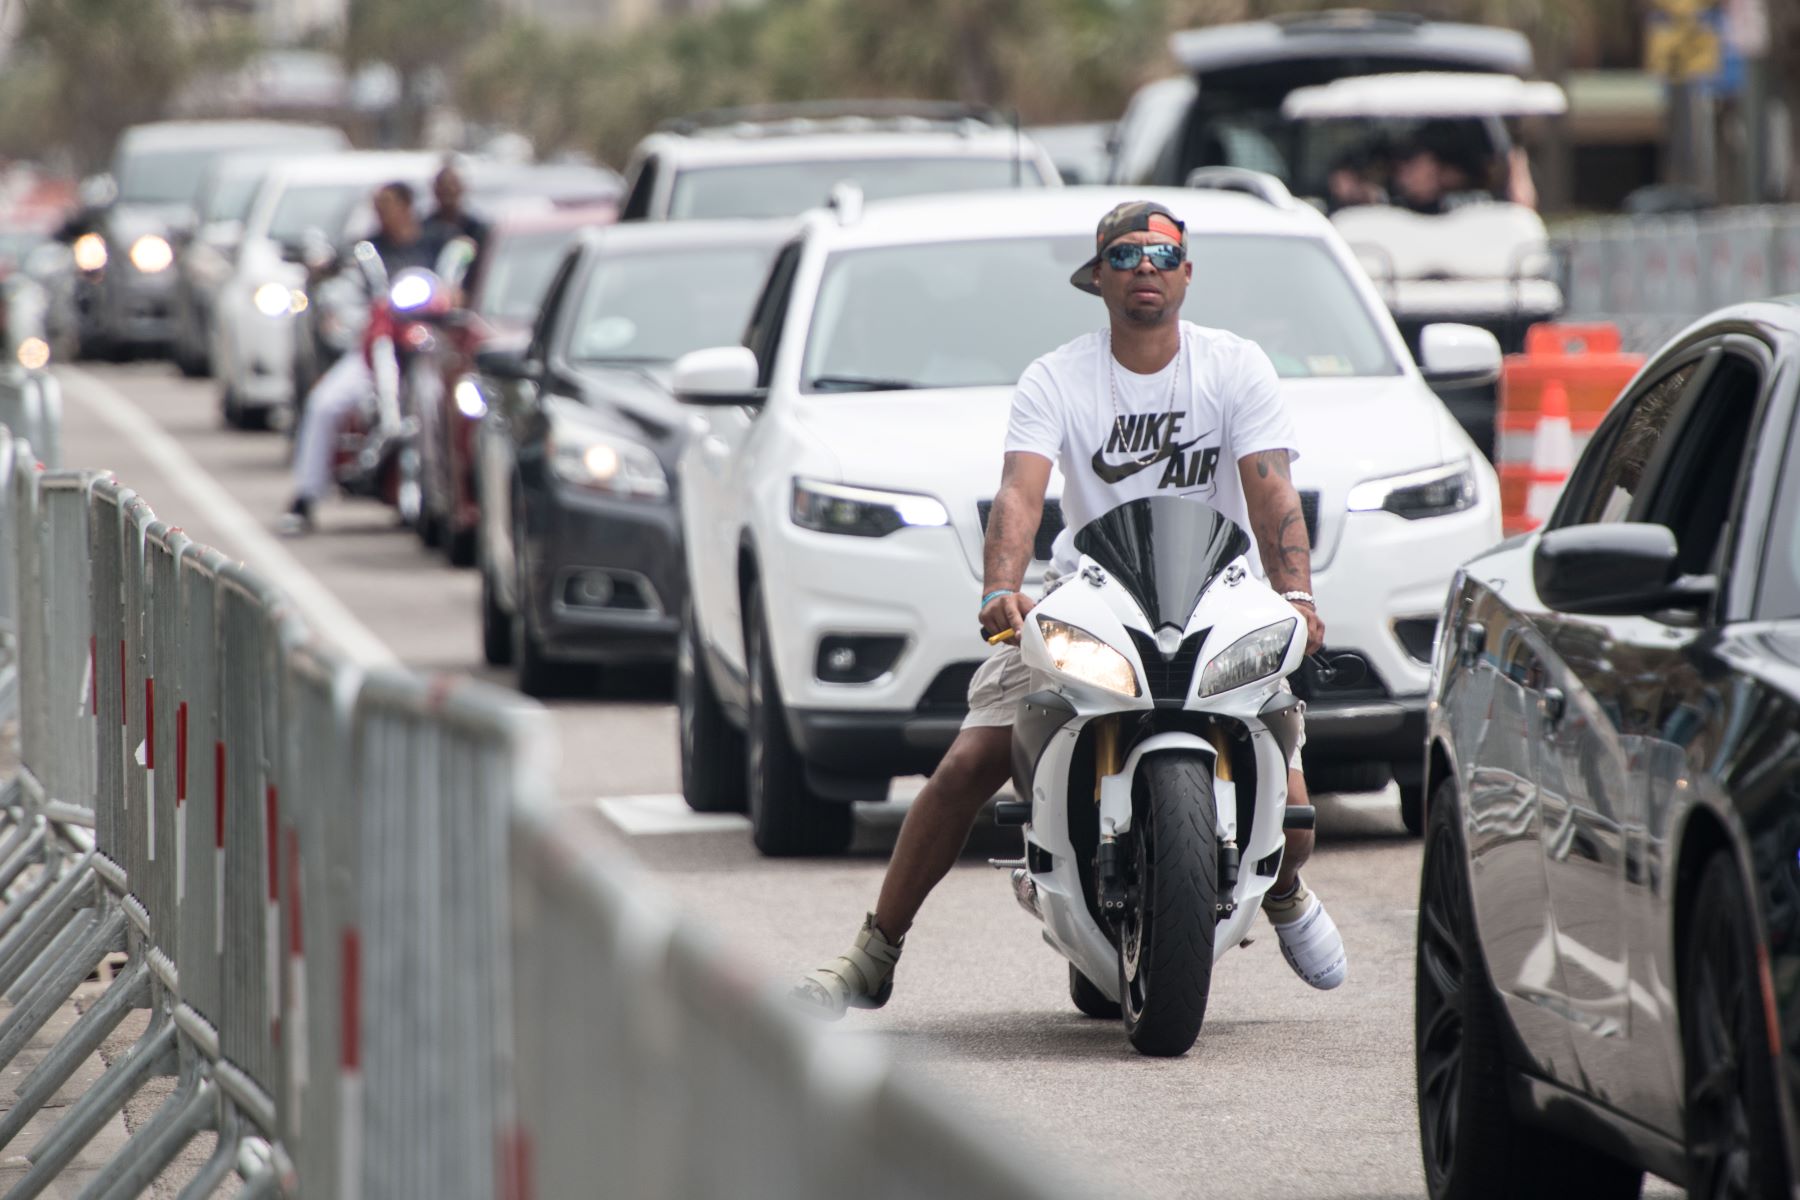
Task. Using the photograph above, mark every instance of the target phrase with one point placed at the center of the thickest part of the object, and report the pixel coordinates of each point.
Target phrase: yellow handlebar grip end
(1005, 635)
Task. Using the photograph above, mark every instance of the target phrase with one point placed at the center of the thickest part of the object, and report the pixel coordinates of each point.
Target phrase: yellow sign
(1681, 44)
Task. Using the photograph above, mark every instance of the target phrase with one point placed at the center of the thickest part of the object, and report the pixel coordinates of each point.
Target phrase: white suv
(833, 510)
(777, 161)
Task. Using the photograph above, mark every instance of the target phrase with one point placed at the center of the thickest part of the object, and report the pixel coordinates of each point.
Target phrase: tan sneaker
(861, 977)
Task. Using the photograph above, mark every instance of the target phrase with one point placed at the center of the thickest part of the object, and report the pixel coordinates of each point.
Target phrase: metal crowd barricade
(31, 406)
(436, 766)
(634, 1037)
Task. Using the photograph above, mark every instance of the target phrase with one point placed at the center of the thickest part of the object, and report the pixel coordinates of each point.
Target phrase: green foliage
(1054, 60)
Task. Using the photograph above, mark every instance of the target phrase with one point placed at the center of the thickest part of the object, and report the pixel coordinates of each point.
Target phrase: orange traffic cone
(1552, 455)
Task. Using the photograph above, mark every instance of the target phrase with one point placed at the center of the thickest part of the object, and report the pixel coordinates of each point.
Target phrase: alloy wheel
(1718, 1117)
(1442, 984)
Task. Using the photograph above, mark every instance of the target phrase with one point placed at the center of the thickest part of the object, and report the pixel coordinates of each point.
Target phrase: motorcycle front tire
(1175, 844)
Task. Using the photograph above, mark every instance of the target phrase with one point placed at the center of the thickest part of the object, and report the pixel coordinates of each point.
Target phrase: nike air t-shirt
(1227, 405)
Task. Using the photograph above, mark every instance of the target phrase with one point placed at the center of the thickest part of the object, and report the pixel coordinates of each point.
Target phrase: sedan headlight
(151, 253)
(862, 512)
(606, 463)
(1435, 492)
(90, 252)
(278, 300)
(1079, 653)
(1254, 656)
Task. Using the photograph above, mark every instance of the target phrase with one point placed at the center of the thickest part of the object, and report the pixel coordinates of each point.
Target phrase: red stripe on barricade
(180, 753)
(352, 1000)
(295, 942)
(515, 1164)
(149, 723)
(219, 797)
(272, 810)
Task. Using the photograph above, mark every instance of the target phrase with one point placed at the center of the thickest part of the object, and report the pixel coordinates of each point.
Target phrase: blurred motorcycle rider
(401, 242)
(451, 219)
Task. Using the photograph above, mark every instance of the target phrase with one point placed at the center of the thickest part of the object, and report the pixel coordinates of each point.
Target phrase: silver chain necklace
(1112, 380)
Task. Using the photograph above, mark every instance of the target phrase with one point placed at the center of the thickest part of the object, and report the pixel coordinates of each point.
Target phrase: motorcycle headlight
(469, 400)
(278, 300)
(151, 253)
(1435, 492)
(90, 252)
(862, 512)
(1254, 656)
(1079, 653)
(606, 463)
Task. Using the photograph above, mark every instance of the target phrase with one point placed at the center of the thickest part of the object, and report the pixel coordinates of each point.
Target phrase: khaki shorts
(1004, 680)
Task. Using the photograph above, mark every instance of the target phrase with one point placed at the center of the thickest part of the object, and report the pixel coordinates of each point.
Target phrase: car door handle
(1554, 704)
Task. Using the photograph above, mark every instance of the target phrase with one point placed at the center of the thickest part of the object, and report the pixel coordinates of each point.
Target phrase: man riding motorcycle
(1109, 408)
(402, 242)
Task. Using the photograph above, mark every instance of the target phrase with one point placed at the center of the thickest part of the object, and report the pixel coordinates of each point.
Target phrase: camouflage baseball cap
(1133, 216)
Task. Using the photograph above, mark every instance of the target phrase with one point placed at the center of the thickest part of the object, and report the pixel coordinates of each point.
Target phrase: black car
(580, 542)
(1608, 965)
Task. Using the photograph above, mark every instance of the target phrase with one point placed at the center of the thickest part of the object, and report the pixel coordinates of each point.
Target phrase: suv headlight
(606, 463)
(1435, 492)
(278, 300)
(1079, 653)
(90, 252)
(862, 512)
(1254, 656)
(151, 253)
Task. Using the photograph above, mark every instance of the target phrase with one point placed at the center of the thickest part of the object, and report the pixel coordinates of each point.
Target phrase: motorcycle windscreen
(1164, 551)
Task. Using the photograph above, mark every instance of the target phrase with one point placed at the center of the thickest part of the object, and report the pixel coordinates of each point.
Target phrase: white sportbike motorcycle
(1154, 757)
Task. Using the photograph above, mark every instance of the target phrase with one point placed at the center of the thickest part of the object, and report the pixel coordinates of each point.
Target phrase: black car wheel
(459, 546)
(1412, 807)
(712, 749)
(496, 625)
(1733, 1134)
(786, 818)
(1474, 1147)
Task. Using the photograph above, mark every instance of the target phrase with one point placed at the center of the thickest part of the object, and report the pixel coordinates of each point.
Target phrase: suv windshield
(518, 272)
(786, 189)
(638, 306)
(323, 207)
(975, 314)
(1164, 550)
(163, 177)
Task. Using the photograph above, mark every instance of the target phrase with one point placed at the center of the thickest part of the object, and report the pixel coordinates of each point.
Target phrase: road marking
(245, 536)
(643, 816)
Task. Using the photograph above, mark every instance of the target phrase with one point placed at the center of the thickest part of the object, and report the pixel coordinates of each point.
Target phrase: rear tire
(459, 547)
(1166, 944)
(1089, 1000)
(712, 749)
(496, 625)
(1474, 1148)
(786, 818)
(1733, 1123)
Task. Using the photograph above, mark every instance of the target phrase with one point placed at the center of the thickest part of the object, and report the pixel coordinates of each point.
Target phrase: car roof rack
(1263, 186)
(831, 116)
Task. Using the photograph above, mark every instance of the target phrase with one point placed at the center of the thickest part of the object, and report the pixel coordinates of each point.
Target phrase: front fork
(1109, 868)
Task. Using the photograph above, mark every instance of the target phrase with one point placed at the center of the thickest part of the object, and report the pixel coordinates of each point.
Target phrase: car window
(1780, 598)
(324, 207)
(1693, 491)
(766, 319)
(554, 297)
(1609, 477)
(760, 190)
(629, 312)
(926, 315)
(517, 273)
(643, 187)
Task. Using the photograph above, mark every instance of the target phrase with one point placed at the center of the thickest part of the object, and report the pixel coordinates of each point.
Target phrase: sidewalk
(112, 1137)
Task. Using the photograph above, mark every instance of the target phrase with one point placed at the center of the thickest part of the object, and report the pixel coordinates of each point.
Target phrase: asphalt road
(1289, 1093)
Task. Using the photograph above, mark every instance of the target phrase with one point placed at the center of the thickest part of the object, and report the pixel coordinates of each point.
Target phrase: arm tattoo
(1280, 527)
(1012, 528)
(1273, 460)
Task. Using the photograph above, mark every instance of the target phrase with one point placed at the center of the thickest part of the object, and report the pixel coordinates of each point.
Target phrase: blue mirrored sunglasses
(1164, 256)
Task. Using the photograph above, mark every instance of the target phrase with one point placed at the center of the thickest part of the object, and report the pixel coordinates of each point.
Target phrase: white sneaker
(1312, 945)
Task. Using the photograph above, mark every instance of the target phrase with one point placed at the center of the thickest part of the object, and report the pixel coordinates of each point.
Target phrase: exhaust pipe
(1025, 891)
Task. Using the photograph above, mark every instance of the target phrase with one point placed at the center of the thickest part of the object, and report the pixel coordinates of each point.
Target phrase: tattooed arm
(1011, 532)
(1280, 530)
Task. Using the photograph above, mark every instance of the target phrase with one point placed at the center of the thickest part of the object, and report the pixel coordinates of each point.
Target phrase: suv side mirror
(1617, 569)
(503, 361)
(723, 376)
(1458, 355)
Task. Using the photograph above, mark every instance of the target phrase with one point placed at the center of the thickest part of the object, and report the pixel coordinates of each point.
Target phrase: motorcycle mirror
(1345, 669)
(374, 271)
